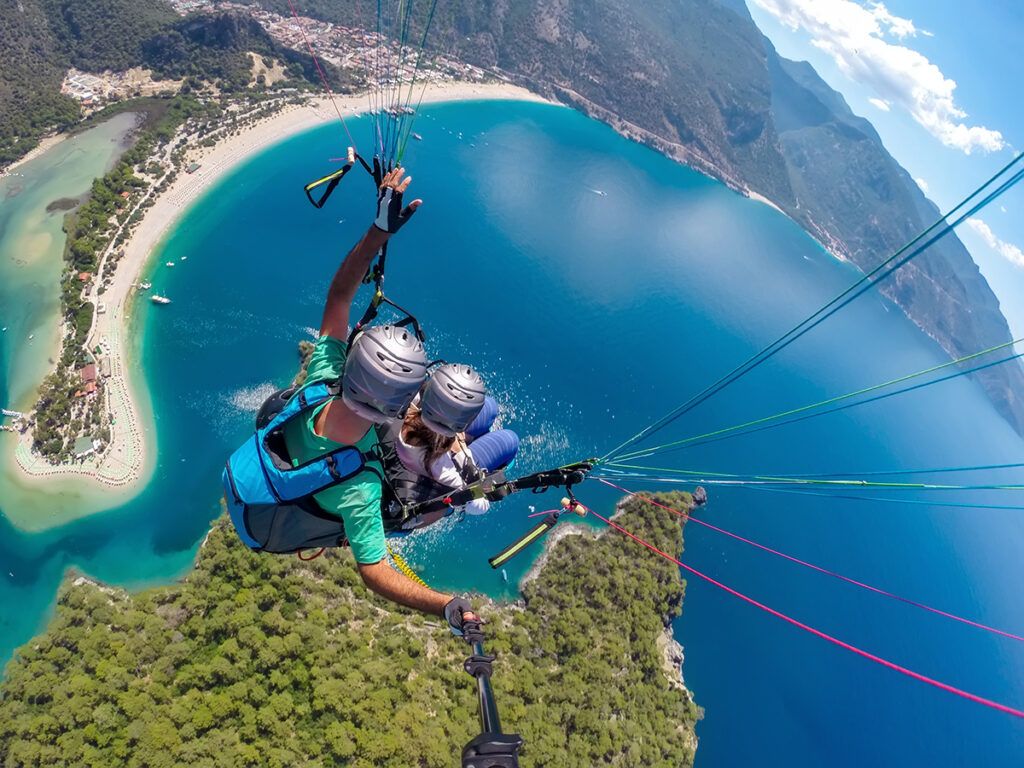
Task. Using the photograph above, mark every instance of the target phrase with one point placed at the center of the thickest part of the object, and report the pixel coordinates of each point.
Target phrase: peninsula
(267, 659)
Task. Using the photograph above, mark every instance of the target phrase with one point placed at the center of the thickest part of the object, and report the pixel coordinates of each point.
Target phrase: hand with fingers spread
(390, 214)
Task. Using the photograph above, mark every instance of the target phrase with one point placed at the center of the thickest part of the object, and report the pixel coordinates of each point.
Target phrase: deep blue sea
(597, 285)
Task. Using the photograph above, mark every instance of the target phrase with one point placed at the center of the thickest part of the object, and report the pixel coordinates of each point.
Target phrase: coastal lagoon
(32, 246)
(34, 198)
(536, 258)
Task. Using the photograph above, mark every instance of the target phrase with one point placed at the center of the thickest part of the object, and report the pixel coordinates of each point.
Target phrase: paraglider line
(728, 478)
(722, 434)
(824, 494)
(817, 632)
(879, 499)
(831, 307)
(322, 76)
(912, 471)
(545, 512)
(818, 568)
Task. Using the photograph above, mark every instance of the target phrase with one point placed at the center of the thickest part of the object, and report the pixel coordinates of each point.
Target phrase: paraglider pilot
(318, 460)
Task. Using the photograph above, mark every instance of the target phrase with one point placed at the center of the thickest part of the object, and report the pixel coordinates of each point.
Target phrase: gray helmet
(452, 398)
(385, 368)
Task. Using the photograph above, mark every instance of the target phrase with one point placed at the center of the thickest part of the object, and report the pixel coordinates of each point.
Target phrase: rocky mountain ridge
(697, 81)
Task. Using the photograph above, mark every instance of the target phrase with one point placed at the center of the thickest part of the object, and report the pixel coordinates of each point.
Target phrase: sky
(941, 81)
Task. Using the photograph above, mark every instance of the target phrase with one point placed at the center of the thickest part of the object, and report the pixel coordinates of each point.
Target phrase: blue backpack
(271, 502)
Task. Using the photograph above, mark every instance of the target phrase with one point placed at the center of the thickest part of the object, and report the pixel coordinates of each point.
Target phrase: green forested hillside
(41, 39)
(107, 34)
(31, 70)
(214, 47)
(269, 661)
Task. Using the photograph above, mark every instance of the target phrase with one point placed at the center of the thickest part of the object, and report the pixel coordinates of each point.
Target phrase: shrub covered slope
(270, 661)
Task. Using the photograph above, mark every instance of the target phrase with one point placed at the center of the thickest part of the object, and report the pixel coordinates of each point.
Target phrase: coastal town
(348, 48)
(354, 48)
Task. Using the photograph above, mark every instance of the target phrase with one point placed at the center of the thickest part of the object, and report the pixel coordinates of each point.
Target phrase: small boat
(31, 336)
(158, 299)
(183, 258)
(417, 137)
(145, 286)
(4, 329)
(504, 574)
(169, 264)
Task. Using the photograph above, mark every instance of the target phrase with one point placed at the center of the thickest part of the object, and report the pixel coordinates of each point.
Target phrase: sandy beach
(127, 460)
(45, 145)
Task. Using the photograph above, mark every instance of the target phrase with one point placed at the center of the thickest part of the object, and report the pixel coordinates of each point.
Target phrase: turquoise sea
(597, 284)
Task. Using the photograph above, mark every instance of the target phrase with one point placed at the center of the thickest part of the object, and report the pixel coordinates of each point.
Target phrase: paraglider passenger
(453, 413)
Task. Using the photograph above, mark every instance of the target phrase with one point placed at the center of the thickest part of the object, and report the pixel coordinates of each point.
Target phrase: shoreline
(129, 459)
(45, 145)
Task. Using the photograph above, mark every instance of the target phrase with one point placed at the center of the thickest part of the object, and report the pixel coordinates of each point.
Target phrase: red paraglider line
(545, 512)
(823, 570)
(817, 632)
(322, 77)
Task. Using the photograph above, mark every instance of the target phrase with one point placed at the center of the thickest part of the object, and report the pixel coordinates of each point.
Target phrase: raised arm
(390, 218)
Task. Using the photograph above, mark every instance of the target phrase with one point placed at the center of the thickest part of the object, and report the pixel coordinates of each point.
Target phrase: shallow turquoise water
(590, 316)
(32, 245)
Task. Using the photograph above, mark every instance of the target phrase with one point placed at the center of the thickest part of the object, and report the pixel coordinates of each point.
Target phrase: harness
(412, 500)
(270, 501)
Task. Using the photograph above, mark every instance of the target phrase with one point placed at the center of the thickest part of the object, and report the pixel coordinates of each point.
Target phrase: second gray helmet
(385, 368)
(452, 398)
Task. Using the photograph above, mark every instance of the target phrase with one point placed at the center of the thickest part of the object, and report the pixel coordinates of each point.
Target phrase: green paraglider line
(398, 116)
(827, 310)
(723, 433)
(728, 478)
(407, 130)
(938, 471)
(801, 492)
(885, 500)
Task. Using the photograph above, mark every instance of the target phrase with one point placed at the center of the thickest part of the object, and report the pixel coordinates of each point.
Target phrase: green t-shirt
(357, 501)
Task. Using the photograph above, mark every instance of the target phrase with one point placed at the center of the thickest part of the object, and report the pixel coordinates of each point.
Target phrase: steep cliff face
(697, 81)
(685, 77)
(851, 194)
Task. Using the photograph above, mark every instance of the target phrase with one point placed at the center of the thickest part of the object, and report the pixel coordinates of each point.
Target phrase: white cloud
(1008, 251)
(854, 35)
(882, 105)
(923, 185)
